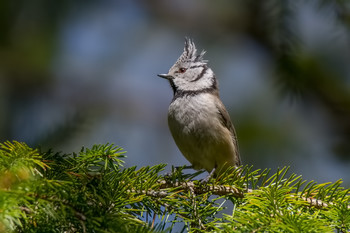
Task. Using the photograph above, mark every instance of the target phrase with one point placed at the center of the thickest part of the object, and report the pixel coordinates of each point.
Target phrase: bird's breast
(194, 115)
(196, 128)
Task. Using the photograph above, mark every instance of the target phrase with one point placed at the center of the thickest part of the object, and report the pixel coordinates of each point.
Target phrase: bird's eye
(182, 70)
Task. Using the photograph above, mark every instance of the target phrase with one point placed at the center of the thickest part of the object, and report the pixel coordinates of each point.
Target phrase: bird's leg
(206, 179)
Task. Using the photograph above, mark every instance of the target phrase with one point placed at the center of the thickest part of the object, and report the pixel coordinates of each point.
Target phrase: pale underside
(202, 137)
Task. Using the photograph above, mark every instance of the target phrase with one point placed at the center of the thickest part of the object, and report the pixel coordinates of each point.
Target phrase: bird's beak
(166, 76)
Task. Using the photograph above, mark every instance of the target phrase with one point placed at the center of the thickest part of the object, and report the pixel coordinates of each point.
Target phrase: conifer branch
(91, 191)
(220, 190)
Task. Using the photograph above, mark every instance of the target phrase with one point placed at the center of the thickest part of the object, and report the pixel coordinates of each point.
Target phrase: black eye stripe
(197, 66)
(201, 74)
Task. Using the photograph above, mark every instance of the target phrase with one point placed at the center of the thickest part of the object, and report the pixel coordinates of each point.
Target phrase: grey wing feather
(225, 120)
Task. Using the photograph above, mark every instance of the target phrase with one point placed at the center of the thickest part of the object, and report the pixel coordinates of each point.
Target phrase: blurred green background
(77, 73)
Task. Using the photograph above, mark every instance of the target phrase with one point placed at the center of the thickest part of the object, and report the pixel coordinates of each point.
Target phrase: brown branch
(219, 190)
(316, 203)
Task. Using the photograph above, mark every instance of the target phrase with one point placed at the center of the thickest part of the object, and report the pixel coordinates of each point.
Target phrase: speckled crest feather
(190, 53)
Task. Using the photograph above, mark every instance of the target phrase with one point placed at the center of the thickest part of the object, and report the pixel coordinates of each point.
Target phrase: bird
(198, 120)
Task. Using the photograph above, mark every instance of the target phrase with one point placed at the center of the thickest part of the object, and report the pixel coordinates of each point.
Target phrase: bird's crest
(190, 53)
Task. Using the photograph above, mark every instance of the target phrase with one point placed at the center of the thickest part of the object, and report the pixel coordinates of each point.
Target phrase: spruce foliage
(91, 191)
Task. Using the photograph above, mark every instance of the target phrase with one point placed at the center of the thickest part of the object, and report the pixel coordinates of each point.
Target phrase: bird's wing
(225, 121)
